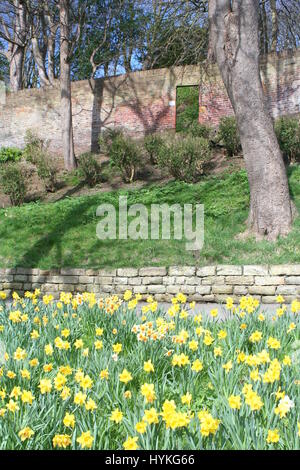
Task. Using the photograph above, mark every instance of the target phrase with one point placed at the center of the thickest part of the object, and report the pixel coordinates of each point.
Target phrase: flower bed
(88, 373)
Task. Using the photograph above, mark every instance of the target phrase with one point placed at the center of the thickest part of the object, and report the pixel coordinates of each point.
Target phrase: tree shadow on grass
(53, 239)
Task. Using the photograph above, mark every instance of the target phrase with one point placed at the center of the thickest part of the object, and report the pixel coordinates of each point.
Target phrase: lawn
(63, 234)
(88, 374)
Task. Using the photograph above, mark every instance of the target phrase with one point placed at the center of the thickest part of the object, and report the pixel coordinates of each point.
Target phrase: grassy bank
(64, 233)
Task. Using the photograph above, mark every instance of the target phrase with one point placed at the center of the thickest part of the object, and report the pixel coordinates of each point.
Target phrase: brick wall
(203, 284)
(140, 102)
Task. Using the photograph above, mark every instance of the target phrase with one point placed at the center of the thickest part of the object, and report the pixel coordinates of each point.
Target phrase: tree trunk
(274, 25)
(17, 40)
(234, 29)
(264, 31)
(52, 27)
(16, 62)
(210, 49)
(51, 64)
(40, 63)
(65, 88)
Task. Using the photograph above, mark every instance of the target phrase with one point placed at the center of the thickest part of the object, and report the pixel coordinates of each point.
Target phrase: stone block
(206, 271)
(20, 278)
(193, 281)
(224, 289)
(262, 290)
(140, 289)
(202, 298)
(213, 280)
(66, 287)
(187, 289)
(49, 288)
(105, 288)
(229, 270)
(288, 290)
(155, 289)
(285, 269)
(87, 280)
(152, 280)
(269, 299)
(39, 279)
(127, 272)
(63, 279)
(72, 272)
(103, 272)
(181, 270)
(239, 280)
(169, 280)
(94, 288)
(240, 290)
(203, 290)
(120, 281)
(6, 278)
(81, 288)
(269, 280)
(153, 271)
(103, 280)
(23, 271)
(174, 289)
(180, 280)
(13, 285)
(135, 281)
(118, 288)
(292, 280)
(93, 272)
(221, 298)
(255, 270)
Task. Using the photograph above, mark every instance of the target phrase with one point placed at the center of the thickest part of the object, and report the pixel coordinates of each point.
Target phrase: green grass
(63, 234)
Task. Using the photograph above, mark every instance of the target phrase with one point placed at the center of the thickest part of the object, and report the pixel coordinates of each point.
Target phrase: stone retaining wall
(202, 284)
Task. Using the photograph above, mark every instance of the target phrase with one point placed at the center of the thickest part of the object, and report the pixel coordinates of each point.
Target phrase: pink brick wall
(145, 118)
(213, 104)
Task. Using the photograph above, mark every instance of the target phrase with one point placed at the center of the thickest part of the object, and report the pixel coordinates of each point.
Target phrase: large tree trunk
(16, 62)
(65, 87)
(234, 27)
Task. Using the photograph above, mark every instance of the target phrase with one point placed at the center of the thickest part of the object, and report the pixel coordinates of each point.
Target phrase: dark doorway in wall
(187, 106)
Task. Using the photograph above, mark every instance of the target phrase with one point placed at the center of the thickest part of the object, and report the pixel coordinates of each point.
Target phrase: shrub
(152, 145)
(34, 147)
(36, 152)
(106, 138)
(13, 183)
(229, 135)
(89, 169)
(288, 134)
(123, 153)
(10, 154)
(184, 157)
(47, 171)
(199, 130)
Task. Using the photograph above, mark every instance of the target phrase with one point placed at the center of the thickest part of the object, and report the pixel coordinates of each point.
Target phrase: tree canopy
(110, 37)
